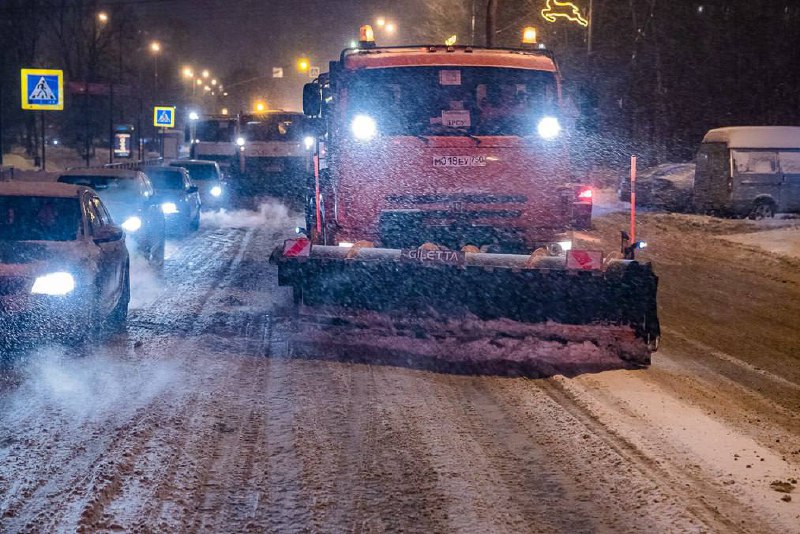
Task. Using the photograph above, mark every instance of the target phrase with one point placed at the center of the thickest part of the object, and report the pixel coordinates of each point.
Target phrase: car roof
(110, 173)
(165, 168)
(41, 189)
(755, 136)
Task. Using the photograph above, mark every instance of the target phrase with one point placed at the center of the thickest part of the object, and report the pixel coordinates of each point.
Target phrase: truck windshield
(452, 100)
(39, 218)
(273, 127)
(216, 131)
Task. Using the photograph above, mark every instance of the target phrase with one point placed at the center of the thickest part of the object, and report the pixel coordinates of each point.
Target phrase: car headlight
(549, 128)
(216, 191)
(364, 127)
(169, 208)
(54, 284)
(566, 246)
(132, 224)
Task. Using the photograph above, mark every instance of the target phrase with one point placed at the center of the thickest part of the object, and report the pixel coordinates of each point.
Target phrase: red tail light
(585, 193)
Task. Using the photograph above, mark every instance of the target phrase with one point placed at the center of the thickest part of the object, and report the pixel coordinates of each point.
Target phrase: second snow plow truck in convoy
(442, 185)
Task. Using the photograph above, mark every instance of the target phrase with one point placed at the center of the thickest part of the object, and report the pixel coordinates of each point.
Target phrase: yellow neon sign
(567, 10)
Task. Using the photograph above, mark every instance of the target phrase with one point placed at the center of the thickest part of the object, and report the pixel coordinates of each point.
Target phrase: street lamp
(102, 17)
(188, 72)
(303, 64)
(381, 22)
(390, 28)
(206, 74)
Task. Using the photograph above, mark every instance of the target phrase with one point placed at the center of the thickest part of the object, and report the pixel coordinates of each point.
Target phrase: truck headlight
(132, 224)
(216, 191)
(364, 127)
(54, 284)
(549, 128)
(169, 208)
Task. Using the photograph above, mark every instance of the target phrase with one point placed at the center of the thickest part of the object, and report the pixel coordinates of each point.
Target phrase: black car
(130, 198)
(668, 186)
(208, 177)
(64, 266)
(178, 196)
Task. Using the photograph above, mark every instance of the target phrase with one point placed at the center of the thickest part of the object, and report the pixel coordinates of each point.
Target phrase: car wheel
(763, 209)
(120, 313)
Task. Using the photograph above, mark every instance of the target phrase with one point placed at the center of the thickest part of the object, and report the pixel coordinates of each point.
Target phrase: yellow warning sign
(42, 89)
(164, 117)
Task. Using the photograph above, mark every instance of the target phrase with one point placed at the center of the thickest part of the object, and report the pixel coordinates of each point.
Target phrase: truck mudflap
(616, 302)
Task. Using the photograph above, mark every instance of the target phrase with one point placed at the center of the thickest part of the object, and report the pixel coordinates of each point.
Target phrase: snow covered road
(196, 420)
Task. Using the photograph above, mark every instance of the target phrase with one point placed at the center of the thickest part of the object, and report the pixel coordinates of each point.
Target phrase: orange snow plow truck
(442, 185)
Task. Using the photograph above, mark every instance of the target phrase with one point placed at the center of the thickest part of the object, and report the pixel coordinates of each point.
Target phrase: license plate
(459, 161)
(442, 257)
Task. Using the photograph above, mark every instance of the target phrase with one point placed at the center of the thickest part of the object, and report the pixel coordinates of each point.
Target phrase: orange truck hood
(500, 181)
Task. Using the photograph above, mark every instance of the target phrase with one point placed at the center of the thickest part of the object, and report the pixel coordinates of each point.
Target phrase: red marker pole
(633, 200)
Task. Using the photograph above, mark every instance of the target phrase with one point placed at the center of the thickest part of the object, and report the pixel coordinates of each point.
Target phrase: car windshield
(199, 171)
(452, 101)
(39, 218)
(273, 127)
(166, 178)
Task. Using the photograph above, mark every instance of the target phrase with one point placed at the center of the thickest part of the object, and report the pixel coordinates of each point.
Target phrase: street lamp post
(155, 48)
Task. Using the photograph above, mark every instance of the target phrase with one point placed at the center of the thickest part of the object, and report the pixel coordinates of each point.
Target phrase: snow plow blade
(615, 305)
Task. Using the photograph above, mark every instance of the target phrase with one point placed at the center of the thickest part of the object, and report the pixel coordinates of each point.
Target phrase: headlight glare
(216, 191)
(169, 208)
(308, 141)
(364, 127)
(240, 141)
(54, 284)
(549, 128)
(132, 224)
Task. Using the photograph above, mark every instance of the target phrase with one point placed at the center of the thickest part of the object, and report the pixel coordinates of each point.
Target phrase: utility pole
(472, 24)
(589, 29)
(491, 22)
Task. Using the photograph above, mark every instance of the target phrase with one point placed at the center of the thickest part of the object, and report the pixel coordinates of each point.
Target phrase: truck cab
(458, 146)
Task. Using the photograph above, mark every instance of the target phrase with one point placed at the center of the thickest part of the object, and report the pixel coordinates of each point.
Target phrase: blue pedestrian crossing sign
(42, 89)
(164, 117)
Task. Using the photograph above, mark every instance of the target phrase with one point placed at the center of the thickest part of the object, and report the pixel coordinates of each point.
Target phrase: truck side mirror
(312, 100)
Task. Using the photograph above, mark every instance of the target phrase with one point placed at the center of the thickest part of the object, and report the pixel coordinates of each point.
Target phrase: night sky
(258, 34)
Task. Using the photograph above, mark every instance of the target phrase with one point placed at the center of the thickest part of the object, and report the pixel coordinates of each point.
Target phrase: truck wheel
(763, 209)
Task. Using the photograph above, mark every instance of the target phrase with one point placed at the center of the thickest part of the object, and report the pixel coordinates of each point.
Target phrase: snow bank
(467, 345)
(784, 241)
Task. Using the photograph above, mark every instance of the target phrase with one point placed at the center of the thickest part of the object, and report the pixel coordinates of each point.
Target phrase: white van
(748, 171)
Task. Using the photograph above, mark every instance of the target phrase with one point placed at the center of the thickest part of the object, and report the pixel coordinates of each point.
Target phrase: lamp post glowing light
(381, 22)
(206, 74)
(155, 47)
(102, 17)
(390, 28)
(188, 72)
(303, 64)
